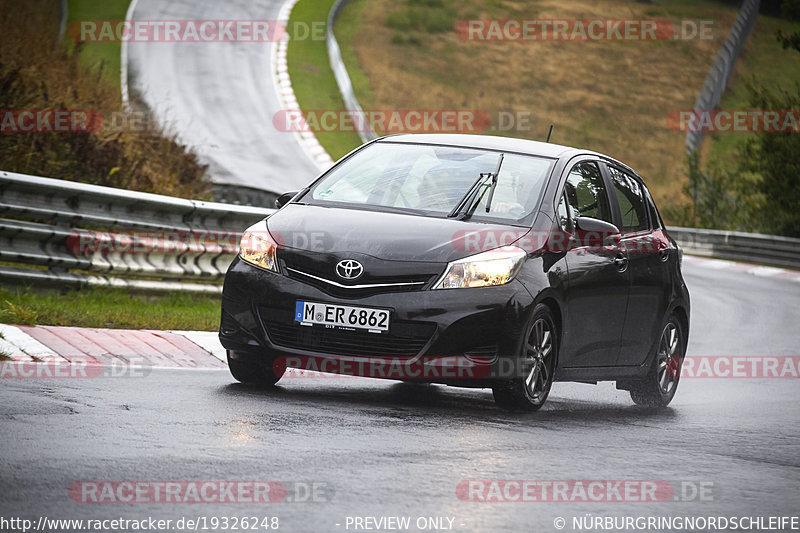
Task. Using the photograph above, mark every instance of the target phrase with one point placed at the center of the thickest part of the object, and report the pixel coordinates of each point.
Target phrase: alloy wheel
(538, 361)
(668, 358)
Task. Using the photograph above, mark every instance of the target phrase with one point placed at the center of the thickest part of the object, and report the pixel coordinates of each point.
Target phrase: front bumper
(457, 336)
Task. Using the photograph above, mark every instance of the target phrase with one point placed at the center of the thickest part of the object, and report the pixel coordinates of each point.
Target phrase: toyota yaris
(467, 260)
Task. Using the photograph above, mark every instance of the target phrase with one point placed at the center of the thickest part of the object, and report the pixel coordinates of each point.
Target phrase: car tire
(658, 388)
(535, 366)
(258, 373)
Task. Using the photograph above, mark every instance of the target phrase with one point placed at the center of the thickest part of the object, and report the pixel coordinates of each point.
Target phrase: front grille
(343, 342)
(379, 276)
(370, 288)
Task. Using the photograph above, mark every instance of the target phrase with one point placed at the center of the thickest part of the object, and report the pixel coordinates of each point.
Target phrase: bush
(763, 193)
(37, 73)
(774, 157)
(720, 199)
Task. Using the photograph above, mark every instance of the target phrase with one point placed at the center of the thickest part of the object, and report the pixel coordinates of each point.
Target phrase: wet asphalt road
(385, 448)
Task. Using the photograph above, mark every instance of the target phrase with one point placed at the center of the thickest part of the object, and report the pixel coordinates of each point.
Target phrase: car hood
(386, 236)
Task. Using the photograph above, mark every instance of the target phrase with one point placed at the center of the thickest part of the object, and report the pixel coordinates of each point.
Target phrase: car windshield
(432, 180)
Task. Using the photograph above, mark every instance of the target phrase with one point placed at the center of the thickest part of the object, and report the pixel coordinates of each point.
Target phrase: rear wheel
(658, 388)
(536, 365)
(259, 373)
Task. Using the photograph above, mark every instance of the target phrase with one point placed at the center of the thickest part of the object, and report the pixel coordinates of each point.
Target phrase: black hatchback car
(467, 260)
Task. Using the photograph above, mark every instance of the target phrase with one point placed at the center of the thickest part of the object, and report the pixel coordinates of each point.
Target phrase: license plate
(342, 316)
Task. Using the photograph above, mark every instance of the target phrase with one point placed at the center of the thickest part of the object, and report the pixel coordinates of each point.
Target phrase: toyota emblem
(349, 269)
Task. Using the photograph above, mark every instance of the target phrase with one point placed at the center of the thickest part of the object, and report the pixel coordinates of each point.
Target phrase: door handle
(621, 261)
(663, 251)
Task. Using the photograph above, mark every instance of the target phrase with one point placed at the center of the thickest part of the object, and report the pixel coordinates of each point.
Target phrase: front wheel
(536, 366)
(259, 373)
(658, 388)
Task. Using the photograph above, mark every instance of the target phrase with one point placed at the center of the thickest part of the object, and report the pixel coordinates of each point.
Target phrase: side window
(632, 205)
(655, 219)
(586, 192)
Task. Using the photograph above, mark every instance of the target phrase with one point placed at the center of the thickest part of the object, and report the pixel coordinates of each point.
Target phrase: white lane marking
(25, 345)
(13, 351)
(123, 71)
(765, 271)
(286, 97)
(208, 340)
(717, 264)
(745, 268)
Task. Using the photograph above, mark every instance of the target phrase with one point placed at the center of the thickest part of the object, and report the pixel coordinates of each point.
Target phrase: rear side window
(655, 218)
(586, 192)
(631, 200)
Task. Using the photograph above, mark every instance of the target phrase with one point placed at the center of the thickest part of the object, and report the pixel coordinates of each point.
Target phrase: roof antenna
(548, 133)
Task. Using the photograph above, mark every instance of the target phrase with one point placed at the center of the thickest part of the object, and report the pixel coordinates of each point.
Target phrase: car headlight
(257, 247)
(486, 269)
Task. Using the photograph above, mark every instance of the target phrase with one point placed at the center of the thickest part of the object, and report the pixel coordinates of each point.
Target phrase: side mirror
(284, 198)
(596, 232)
(596, 225)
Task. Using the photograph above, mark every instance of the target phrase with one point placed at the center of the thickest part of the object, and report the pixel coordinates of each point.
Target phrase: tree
(720, 198)
(790, 10)
(774, 156)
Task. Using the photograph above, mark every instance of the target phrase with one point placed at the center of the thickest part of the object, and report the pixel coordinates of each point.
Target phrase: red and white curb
(286, 97)
(146, 348)
(745, 268)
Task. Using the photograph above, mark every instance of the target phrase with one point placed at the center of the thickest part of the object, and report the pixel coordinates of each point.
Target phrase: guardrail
(74, 234)
(721, 70)
(738, 246)
(340, 73)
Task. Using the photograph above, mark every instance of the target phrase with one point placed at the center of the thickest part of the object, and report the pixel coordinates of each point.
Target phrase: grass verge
(764, 61)
(109, 308)
(613, 97)
(104, 57)
(312, 78)
(346, 28)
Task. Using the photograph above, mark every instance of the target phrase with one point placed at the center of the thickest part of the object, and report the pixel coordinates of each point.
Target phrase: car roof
(489, 142)
(494, 142)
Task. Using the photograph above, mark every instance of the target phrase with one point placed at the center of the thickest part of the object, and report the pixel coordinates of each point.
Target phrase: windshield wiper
(494, 184)
(468, 198)
(467, 201)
